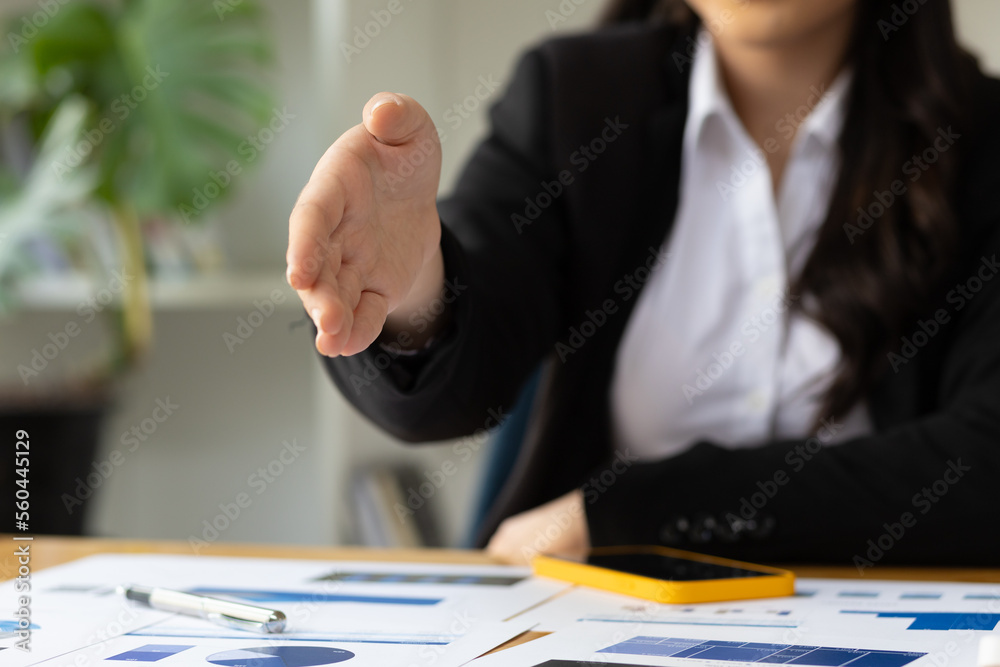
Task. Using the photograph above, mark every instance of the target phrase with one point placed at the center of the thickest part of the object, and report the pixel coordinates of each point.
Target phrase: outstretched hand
(364, 236)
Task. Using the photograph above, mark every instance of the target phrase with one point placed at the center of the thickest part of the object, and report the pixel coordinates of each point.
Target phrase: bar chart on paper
(827, 623)
(736, 651)
(421, 578)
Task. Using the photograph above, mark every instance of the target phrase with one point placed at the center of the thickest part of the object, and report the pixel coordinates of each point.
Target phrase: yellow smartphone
(669, 576)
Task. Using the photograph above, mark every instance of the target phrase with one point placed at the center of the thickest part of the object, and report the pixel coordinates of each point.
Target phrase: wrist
(420, 314)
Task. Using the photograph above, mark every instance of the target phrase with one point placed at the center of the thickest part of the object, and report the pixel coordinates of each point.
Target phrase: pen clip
(275, 624)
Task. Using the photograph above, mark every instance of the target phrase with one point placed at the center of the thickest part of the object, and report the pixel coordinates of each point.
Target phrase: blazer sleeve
(504, 279)
(921, 491)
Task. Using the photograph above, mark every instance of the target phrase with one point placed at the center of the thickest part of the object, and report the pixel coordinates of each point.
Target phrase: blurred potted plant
(112, 115)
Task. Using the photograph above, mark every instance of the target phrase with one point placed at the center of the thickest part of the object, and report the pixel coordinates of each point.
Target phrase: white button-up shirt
(712, 350)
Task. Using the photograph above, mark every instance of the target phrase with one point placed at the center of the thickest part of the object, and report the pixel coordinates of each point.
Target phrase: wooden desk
(50, 551)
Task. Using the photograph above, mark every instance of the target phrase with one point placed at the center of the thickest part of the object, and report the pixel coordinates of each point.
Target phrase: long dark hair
(869, 282)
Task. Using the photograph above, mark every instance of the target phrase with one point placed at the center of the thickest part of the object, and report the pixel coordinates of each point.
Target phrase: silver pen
(230, 614)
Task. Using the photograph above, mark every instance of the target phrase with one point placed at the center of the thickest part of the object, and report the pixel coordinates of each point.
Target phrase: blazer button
(702, 529)
(763, 528)
(727, 531)
(672, 532)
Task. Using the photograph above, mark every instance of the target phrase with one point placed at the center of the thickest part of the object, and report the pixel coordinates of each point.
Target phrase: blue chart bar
(150, 653)
(933, 620)
(9, 628)
(419, 578)
(306, 596)
(786, 654)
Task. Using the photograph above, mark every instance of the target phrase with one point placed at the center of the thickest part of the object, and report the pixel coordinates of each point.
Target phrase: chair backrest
(501, 454)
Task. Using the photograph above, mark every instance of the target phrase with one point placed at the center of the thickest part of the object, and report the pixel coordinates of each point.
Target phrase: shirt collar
(708, 97)
(826, 119)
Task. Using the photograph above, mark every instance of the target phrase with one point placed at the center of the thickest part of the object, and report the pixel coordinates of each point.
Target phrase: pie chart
(280, 656)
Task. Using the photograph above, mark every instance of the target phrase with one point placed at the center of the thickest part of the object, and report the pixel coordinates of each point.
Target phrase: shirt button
(757, 401)
(768, 288)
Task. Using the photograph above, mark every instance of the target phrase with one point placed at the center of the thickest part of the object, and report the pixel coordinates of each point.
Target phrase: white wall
(978, 24)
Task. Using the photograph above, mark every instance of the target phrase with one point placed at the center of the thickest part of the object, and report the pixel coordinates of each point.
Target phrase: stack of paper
(363, 613)
(409, 615)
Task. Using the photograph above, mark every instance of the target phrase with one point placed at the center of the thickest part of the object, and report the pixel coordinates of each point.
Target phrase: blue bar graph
(309, 596)
(423, 578)
(736, 651)
(927, 620)
(150, 653)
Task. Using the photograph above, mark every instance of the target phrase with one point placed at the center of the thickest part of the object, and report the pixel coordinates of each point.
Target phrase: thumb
(394, 119)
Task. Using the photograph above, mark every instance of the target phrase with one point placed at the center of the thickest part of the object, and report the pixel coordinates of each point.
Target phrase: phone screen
(667, 568)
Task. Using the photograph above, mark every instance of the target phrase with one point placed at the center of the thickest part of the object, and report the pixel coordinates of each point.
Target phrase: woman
(752, 244)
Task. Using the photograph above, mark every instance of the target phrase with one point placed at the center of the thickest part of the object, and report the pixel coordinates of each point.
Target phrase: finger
(393, 118)
(349, 286)
(331, 343)
(324, 304)
(317, 213)
(369, 318)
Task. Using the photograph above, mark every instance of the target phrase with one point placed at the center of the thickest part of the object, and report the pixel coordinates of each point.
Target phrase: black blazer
(558, 215)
